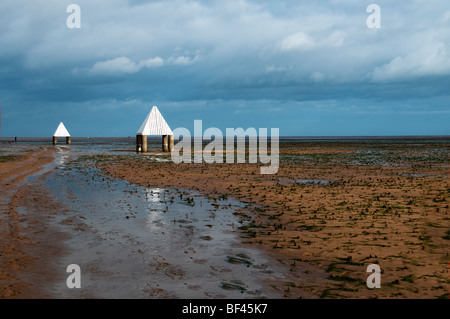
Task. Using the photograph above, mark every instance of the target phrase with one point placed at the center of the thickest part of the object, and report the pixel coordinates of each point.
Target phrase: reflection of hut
(61, 131)
(154, 124)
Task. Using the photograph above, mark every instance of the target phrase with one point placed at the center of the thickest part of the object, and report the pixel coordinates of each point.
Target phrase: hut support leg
(170, 143)
(165, 143)
(138, 143)
(144, 143)
(141, 143)
(68, 141)
(55, 140)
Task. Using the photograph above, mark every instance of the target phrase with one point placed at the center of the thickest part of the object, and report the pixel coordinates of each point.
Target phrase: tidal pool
(136, 242)
(312, 181)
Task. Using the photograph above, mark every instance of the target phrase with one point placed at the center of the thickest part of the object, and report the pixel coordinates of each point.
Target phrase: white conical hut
(61, 131)
(154, 124)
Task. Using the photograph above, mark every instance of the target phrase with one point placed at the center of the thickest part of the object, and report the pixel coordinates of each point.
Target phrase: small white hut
(154, 124)
(61, 131)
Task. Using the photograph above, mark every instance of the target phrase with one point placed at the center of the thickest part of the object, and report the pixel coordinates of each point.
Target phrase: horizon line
(280, 136)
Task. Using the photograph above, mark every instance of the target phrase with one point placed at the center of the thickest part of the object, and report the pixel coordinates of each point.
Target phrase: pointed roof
(154, 124)
(61, 131)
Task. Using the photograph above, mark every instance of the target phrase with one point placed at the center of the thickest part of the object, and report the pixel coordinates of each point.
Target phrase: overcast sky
(309, 68)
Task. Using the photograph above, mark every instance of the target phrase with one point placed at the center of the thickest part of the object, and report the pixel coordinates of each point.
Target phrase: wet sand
(330, 211)
(135, 242)
(27, 240)
(337, 206)
(130, 242)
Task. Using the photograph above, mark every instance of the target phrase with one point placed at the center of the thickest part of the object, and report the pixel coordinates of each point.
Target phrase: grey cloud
(239, 49)
(123, 65)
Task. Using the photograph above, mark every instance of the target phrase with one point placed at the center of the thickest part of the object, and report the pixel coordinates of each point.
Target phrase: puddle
(304, 181)
(424, 175)
(60, 159)
(312, 181)
(135, 242)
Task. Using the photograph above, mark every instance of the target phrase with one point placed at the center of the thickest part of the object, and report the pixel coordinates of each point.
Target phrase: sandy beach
(332, 209)
(118, 123)
(27, 241)
(336, 206)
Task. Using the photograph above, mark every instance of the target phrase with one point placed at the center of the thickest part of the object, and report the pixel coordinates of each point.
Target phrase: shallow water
(133, 242)
(311, 181)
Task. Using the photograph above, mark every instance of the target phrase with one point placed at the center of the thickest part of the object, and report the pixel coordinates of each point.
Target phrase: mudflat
(28, 241)
(332, 209)
(339, 206)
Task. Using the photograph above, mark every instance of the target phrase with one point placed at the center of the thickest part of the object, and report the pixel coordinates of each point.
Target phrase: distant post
(55, 140)
(68, 141)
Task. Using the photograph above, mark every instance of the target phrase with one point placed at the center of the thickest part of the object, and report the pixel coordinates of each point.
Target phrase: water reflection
(61, 157)
(165, 240)
(152, 195)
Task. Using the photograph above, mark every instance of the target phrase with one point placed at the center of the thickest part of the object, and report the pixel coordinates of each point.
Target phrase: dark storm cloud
(240, 50)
